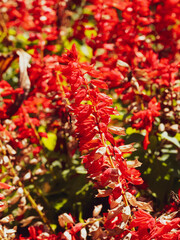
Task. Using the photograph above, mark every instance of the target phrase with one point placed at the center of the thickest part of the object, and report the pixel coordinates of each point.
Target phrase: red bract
(8, 95)
(144, 221)
(4, 186)
(145, 119)
(38, 232)
(149, 228)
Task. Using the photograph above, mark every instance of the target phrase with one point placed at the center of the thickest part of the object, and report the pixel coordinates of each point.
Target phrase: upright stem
(61, 88)
(38, 138)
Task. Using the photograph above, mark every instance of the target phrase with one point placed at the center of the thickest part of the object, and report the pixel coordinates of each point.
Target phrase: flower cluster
(134, 54)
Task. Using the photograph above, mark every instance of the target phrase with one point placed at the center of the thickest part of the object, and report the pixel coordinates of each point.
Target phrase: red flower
(145, 119)
(144, 222)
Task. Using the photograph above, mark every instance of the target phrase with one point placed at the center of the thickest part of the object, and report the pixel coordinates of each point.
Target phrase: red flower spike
(104, 163)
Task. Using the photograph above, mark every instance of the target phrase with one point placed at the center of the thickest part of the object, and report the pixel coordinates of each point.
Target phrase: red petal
(4, 186)
(99, 84)
(43, 134)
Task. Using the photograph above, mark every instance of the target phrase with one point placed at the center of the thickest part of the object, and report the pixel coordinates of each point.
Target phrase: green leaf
(173, 140)
(50, 141)
(130, 131)
(53, 226)
(59, 205)
(81, 170)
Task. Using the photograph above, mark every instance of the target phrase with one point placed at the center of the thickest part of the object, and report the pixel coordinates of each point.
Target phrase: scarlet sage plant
(89, 90)
(104, 158)
(111, 173)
